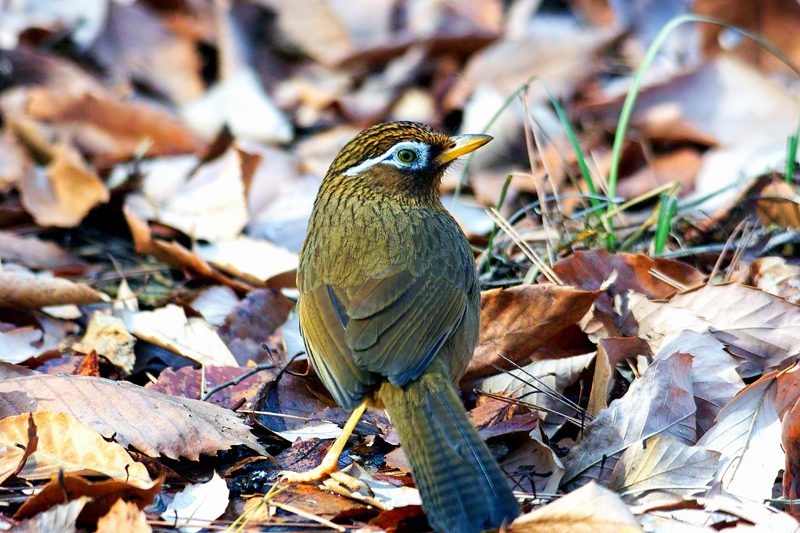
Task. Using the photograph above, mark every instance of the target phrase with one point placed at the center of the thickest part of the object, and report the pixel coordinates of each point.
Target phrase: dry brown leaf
(185, 383)
(151, 422)
(123, 516)
(658, 403)
(110, 131)
(66, 445)
(107, 336)
(747, 434)
(26, 290)
(10, 371)
(589, 509)
(68, 192)
(610, 352)
(193, 337)
(590, 270)
(661, 467)
(251, 324)
(174, 254)
(102, 494)
(517, 322)
(779, 204)
(38, 254)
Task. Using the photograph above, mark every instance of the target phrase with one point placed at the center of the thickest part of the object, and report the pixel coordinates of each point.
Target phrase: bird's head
(400, 158)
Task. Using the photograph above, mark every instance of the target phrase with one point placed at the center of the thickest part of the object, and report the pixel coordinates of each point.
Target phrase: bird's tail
(463, 489)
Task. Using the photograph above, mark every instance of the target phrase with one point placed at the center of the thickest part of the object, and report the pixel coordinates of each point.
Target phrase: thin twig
(239, 379)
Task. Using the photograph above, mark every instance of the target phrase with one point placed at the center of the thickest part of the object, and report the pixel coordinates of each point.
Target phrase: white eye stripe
(390, 157)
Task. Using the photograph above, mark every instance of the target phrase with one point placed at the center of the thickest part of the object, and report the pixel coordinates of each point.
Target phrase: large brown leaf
(153, 423)
(517, 322)
(26, 290)
(589, 270)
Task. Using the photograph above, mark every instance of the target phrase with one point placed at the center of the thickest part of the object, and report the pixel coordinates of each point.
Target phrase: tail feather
(463, 489)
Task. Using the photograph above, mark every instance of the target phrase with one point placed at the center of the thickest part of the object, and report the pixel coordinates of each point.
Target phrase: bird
(389, 311)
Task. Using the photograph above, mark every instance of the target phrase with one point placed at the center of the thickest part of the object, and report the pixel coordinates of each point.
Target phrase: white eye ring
(392, 157)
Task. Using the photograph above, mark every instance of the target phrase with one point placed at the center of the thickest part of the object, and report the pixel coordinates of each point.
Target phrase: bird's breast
(351, 240)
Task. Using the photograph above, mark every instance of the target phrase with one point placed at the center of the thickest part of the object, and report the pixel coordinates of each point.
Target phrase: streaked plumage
(389, 310)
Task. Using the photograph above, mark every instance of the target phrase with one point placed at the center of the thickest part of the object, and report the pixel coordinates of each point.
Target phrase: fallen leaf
(18, 289)
(102, 495)
(153, 423)
(215, 303)
(790, 441)
(252, 260)
(185, 383)
(107, 336)
(110, 131)
(14, 457)
(37, 254)
(659, 466)
(590, 270)
(58, 519)
(208, 203)
(197, 506)
(658, 403)
(517, 322)
(174, 254)
(591, 508)
(610, 352)
(714, 378)
(66, 193)
(64, 445)
(747, 434)
(775, 275)
(192, 338)
(123, 516)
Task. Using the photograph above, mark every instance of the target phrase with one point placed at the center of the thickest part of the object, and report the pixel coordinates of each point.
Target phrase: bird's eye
(406, 156)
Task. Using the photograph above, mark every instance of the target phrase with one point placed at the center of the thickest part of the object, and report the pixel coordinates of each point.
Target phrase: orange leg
(328, 465)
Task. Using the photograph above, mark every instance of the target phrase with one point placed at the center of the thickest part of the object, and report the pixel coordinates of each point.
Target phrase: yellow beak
(463, 144)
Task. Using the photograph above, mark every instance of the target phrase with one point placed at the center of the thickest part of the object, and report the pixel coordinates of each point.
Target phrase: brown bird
(389, 311)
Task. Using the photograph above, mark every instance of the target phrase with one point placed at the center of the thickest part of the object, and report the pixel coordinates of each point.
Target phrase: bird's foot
(325, 469)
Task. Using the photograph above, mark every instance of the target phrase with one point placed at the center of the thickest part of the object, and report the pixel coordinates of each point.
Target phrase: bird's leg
(328, 465)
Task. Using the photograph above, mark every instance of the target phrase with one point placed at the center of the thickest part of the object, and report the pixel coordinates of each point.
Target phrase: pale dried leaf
(755, 325)
(775, 276)
(253, 260)
(123, 516)
(215, 303)
(658, 403)
(107, 336)
(154, 423)
(662, 466)
(589, 509)
(66, 445)
(748, 435)
(208, 204)
(18, 289)
(10, 371)
(196, 506)
(193, 338)
(174, 254)
(58, 519)
(714, 378)
(610, 352)
(64, 194)
(16, 345)
(240, 103)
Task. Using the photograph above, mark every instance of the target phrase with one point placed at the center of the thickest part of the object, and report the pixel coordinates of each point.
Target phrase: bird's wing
(390, 327)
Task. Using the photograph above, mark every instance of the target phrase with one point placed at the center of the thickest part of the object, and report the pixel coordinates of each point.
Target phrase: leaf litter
(158, 165)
